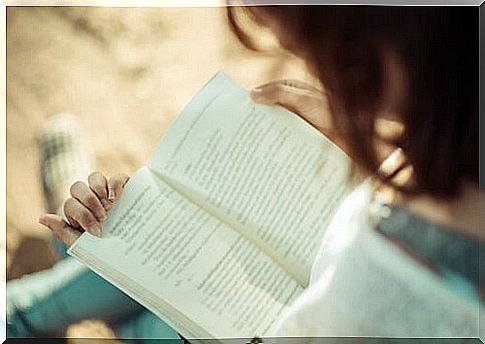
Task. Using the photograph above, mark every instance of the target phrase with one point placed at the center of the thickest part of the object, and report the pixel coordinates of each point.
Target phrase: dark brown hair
(439, 50)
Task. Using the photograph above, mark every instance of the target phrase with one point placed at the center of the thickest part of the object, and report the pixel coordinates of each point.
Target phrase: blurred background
(126, 72)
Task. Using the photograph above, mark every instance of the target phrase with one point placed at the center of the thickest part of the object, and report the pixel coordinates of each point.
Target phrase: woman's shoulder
(399, 240)
(363, 284)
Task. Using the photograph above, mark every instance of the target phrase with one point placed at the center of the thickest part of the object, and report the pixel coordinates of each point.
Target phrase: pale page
(263, 167)
(186, 266)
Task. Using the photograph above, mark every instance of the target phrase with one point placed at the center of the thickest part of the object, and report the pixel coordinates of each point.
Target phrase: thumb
(278, 93)
(292, 96)
(304, 100)
(60, 228)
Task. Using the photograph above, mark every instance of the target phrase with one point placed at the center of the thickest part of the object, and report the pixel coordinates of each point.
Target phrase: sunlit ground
(126, 73)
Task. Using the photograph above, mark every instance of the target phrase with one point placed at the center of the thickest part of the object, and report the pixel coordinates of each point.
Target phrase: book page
(261, 166)
(186, 266)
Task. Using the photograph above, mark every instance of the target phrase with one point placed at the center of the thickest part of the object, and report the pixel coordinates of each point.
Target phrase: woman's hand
(87, 207)
(306, 101)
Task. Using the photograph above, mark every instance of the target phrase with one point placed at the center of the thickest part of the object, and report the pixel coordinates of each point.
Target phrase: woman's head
(418, 64)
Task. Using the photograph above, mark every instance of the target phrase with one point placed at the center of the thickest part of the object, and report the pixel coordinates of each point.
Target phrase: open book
(217, 233)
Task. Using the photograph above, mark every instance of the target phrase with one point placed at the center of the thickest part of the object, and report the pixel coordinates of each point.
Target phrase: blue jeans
(47, 302)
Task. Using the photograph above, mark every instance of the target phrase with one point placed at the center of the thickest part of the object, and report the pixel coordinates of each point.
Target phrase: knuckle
(92, 202)
(84, 217)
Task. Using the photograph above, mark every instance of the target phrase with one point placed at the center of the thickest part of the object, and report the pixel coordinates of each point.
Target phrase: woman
(404, 265)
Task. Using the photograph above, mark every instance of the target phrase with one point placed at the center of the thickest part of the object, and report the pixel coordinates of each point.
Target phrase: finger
(278, 93)
(89, 199)
(73, 209)
(294, 83)
(115, 186)
(73, 223)
(304, 100)
(60, 228)
(98, 183)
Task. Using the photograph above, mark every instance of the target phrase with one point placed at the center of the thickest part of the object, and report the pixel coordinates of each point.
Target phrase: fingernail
(256, 91)
(95, 229)
(111, 194)
(43, 221)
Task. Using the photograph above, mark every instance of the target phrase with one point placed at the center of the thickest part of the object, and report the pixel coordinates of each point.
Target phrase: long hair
(439, 50)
